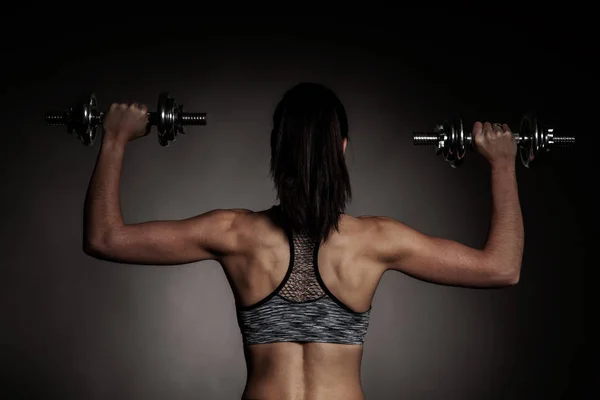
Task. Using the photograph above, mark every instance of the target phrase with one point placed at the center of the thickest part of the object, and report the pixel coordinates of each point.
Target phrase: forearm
(505, 241)
(102, 211)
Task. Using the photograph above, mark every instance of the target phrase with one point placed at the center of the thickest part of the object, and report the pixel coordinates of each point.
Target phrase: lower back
(303, 371)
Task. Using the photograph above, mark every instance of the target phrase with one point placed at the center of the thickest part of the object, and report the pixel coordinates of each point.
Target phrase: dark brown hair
(307, 159)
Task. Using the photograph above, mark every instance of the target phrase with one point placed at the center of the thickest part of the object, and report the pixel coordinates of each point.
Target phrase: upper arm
(402, 248)
(208, 236)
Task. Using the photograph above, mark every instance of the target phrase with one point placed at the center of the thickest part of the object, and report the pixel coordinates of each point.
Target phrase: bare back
(303, 370)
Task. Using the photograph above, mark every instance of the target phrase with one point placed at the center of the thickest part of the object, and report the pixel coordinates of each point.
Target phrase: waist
(303, 371)
(256, 390)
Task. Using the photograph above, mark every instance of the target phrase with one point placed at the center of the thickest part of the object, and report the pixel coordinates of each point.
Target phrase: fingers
(135, 108)
(142, 109)
(117, 106)
(487, 128)
(493, 128)
(477, 129)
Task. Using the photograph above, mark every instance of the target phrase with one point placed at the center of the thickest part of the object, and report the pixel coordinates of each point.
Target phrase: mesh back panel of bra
(302, 284)
(302, 310)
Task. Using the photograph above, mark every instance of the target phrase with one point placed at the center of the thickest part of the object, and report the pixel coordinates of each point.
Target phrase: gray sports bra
(301, 308)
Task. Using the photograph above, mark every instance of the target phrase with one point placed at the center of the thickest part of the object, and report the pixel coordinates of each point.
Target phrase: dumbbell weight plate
(82, 119)
(167, 118)
(454, 142)
(461, 144)
(529, 139)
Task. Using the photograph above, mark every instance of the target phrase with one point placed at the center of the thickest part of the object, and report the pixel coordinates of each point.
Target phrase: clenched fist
(126, 122)
(495, 142)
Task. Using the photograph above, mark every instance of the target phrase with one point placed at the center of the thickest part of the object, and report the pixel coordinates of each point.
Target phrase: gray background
(78, 328)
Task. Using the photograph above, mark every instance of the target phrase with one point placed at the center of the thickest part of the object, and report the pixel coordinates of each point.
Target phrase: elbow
(508, 276)
(503, 271)
(96, 245)
(513, 279)
(93, 248)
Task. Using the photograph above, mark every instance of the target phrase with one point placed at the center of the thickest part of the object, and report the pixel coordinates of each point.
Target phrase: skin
(254, 253)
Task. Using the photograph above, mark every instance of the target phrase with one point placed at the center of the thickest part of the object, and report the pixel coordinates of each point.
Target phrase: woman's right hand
(495, 142)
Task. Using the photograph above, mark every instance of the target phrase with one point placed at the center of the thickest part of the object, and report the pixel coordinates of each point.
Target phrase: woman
(303, 272)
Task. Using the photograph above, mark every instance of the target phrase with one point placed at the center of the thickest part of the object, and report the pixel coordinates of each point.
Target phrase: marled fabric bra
(301, 308)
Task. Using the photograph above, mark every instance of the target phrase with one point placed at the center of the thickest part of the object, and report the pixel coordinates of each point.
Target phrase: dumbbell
(452, 142)
(82, 119)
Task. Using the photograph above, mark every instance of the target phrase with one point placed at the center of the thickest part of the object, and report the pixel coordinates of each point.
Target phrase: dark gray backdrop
(78, 328)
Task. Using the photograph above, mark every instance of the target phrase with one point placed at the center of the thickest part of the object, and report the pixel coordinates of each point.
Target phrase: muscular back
(344, 260)
(348, 269)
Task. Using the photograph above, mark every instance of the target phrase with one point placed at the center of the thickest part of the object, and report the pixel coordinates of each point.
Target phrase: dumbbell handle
(184, 118)
(432, 139)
